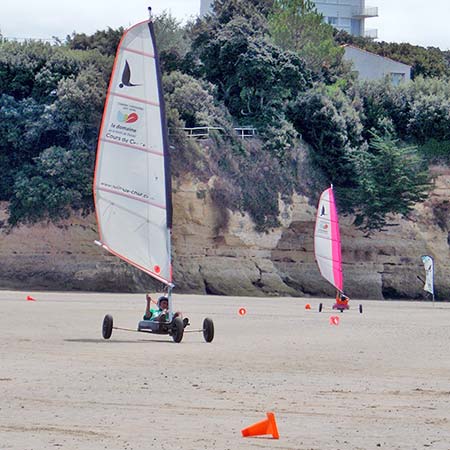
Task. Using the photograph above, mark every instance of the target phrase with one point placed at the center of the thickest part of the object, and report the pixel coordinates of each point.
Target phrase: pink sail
(327, 240)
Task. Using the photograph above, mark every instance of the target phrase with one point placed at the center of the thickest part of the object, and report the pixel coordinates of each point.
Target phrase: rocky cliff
(218, 252)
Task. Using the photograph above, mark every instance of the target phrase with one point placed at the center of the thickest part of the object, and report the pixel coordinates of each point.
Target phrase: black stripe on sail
(167, 171)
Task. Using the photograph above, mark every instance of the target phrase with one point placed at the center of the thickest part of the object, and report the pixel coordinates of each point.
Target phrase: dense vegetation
(271, 64)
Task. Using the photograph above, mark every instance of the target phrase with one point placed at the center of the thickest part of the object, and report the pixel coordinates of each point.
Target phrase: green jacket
(154, 313)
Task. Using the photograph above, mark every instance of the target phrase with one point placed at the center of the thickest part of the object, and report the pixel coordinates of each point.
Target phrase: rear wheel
(177, 330)
(320, 307)
(208, 329)
(360, 309)
(107, 326)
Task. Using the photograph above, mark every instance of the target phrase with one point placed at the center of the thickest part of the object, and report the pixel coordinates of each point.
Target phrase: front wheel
(208, 329)
(177, 330)
(107, 326)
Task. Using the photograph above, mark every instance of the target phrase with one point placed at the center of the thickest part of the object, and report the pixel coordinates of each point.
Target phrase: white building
(374, 67)
(205, 7)
(347, 15)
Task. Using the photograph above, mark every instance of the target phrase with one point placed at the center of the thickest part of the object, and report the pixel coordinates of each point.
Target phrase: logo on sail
(127, 118)
(323, 212)
(323, 227)
(126, 77)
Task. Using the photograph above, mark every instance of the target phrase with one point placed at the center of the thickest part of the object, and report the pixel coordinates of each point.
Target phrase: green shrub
(391, 179)
(59, 180)
(331, 126)
(436, 151)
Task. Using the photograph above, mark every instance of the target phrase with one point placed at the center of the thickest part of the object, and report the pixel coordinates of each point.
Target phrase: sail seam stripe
(139, 100)
(326, 258)
(149, 55)
(325, 238)
(144, 269)
(122, 194)
(135, 147)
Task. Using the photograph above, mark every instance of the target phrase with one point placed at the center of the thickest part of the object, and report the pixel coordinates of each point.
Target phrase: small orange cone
(307, 306)
(30, 299)
(267, 426)
(334, 320)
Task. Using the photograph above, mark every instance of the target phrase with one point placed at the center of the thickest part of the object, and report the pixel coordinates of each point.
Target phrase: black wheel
(177, 330)
(107, 326)
(320, 307)
(360, 309)
(208, 329)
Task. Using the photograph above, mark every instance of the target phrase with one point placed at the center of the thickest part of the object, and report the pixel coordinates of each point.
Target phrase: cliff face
(218, 252)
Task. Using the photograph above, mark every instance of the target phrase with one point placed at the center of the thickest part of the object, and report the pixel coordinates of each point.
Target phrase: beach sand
(380, 379)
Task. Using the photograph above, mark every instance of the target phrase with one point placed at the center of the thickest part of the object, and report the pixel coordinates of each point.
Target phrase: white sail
(429, 272)
(132, 184)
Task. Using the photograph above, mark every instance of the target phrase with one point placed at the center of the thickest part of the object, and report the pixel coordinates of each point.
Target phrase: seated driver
(161, 312)
(341, 299)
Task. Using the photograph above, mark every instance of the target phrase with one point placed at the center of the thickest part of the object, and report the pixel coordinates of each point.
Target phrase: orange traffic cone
(267, 426)
(334, 320)
(30, 299)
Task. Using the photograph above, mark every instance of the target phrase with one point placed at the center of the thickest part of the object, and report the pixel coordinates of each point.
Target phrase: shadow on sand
(109, 342)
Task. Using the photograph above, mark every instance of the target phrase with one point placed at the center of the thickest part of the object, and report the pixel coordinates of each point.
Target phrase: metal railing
(246, 132)
(367, 12)
(204, 132)
(200, 132)
(371, 33)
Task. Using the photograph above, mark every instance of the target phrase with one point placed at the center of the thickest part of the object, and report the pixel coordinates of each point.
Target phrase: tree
(254, 77)
(105, 41)
(391, 179)
(22, 136)
(79, 105)
(19, 63)
(417, 111)
(328, 121)
(58, 181)
(173, 42)
(253, 11)
(285, 21)
(430, 118)
(295, 25)
(51, 97)
(194, 101)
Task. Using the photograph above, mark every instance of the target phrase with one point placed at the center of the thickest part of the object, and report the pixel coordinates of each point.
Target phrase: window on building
(332, 21)
(397, 78)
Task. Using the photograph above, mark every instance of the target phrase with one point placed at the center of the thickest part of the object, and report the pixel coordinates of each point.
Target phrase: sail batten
(139, 100)
(137, 199)
(154, 152)
(132, 185)
(137, 52)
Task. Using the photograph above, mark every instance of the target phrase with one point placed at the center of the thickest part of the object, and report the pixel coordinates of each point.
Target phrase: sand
(380, 379)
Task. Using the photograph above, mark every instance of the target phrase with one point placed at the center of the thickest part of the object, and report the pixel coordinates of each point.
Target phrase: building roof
(374, 54)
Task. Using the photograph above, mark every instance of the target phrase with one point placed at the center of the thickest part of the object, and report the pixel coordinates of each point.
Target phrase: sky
(414, 21)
